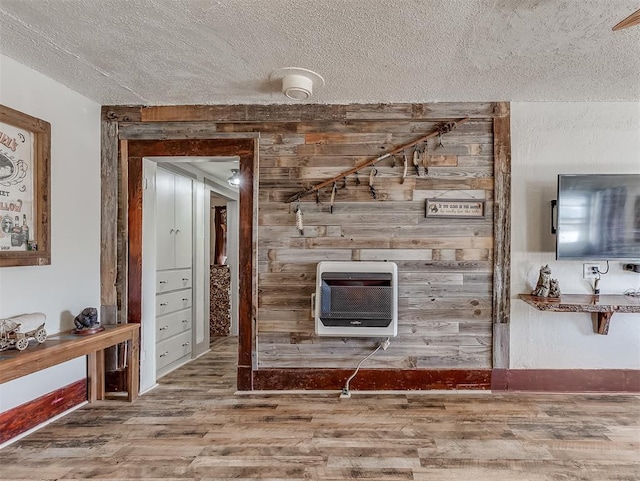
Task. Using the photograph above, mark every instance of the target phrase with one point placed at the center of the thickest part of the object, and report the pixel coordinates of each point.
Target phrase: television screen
(598, 216)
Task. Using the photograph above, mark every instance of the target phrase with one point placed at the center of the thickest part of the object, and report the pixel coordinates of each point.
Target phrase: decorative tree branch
(440, 130)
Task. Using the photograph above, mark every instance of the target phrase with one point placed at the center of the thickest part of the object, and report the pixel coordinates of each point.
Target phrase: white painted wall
(72, 281)
(567, 138)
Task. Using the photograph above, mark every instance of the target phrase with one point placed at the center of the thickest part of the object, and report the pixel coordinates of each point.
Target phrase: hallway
(193, 426)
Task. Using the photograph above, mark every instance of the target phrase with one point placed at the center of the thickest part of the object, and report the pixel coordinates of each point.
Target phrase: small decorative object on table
(87, 322)
(11, 335)
(546, 287)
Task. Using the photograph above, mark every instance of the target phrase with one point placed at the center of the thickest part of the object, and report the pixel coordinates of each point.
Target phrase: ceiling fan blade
(630, 21)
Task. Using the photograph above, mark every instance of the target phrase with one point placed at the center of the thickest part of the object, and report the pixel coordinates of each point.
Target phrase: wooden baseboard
(30, 414)
(371, 379)
(499, 379)
(573, 380)
(245, 379)
(533, 380)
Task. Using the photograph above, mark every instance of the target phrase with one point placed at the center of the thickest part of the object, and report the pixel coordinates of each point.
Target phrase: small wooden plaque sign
(455, 208)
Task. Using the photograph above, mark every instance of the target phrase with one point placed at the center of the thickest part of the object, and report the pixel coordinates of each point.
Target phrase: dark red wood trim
(246, 304)
(246, 149)
(134, 253)
(190, 147)
(245, 378)
(30, 414)
(574, 380)
(371, 379)
(541, 380)
(499, 379)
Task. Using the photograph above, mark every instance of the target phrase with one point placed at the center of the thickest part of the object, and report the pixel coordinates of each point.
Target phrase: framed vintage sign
(25, 150)
(455, 208)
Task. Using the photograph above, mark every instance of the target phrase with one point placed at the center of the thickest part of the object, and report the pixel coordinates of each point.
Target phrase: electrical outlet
(631, 267)
(590, 271)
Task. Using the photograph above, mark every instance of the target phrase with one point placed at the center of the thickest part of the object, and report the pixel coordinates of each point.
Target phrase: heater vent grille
(361, 303)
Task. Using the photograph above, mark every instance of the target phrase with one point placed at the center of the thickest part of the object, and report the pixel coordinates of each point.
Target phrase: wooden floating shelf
(602, 305)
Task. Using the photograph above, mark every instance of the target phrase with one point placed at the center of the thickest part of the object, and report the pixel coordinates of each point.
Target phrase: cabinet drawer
(172, 324)
(172, 349)
(172, 301)
(172, 280)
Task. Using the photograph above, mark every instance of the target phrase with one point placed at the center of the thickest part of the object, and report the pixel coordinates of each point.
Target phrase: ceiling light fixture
(297, 83)
(234, 180)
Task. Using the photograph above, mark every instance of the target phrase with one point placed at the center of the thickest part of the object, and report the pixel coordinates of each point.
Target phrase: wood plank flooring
(193, 426)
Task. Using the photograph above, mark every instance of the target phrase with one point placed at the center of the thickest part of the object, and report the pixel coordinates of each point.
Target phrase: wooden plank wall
(445, 265)
(449, 295)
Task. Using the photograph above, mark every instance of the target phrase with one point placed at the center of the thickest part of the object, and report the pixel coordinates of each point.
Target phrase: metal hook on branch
(334, 189)
(405, 162)
(372, 176)
(299, 223)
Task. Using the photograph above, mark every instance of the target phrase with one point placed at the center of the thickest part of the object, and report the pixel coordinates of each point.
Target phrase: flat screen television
(598, 217)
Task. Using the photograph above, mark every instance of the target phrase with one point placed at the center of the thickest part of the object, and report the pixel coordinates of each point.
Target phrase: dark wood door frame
(122, 219)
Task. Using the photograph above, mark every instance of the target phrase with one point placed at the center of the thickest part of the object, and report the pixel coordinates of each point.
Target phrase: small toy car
(11, 337)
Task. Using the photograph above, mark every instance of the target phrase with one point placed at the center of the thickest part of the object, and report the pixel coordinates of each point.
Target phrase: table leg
(92, 376)
(133, 367)
(100, 374)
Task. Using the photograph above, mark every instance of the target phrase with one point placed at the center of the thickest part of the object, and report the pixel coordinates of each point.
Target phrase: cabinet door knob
(185, 299)
(185, 344)
(185, 320)
(164, 354)
(171, 231)
(163, 282)
(164, 328)
(185, 279)
(164, 303)
(177, 230)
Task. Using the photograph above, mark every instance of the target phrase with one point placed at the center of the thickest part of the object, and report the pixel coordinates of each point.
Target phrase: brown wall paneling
(502, 235)
(446, 265)
(108, 231)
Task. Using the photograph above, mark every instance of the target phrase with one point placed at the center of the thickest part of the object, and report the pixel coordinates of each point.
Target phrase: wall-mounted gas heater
(356, 299)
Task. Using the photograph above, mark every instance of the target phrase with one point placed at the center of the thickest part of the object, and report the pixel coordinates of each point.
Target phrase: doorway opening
(134, 295)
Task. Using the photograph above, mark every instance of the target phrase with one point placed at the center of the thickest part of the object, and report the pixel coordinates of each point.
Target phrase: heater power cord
(345, 394)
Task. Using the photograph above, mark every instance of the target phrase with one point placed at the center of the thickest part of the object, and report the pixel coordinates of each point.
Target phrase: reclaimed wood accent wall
(445, 265)
(448, 287)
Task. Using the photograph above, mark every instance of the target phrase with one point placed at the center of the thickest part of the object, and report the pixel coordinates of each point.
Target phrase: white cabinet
(174, 238)
(174, 280)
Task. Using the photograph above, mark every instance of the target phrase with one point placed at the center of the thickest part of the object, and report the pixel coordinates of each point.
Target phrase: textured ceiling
(156, 52)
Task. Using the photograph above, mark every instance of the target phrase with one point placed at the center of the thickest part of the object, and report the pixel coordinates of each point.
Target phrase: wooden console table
(602, 305)
(65, 346)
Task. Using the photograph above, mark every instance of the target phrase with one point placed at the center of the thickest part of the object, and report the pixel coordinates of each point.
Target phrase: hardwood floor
(193, 426)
